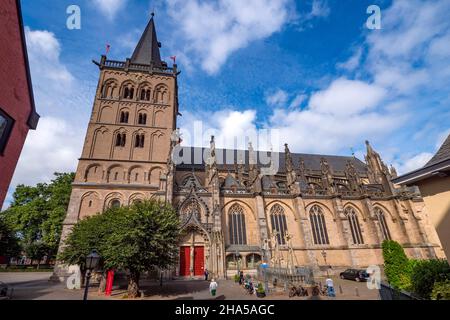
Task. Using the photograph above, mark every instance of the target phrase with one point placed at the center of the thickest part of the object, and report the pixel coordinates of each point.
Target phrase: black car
(355, 274)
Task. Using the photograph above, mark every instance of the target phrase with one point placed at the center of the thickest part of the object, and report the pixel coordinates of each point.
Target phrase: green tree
(9, 244)
(136, 238)
(36, 213)
(428, 272)
(397, 267)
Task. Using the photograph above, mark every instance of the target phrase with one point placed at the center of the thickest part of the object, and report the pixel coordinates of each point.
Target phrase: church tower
(128, 140)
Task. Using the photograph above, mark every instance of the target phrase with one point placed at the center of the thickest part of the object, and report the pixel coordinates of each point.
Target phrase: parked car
(355, 274)
(5, 291)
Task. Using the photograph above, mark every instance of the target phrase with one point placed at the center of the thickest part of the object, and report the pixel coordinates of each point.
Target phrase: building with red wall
(17, 110)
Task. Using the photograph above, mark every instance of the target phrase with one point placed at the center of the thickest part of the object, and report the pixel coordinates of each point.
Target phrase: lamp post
(92, 261)
(324, 255)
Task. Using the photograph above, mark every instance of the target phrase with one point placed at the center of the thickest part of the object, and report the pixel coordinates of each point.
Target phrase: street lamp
(92, 261)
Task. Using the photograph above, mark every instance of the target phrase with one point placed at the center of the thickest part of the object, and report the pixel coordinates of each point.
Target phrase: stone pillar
(344, 238)
(61, 271)
(262, 222)
(305, 230)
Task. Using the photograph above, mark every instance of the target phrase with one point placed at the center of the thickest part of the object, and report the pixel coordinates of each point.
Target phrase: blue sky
(310, 69)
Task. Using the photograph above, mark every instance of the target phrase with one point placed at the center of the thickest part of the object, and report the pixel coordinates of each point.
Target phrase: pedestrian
(241, 277)
(213, 287)
(330, 287)
(206, 273)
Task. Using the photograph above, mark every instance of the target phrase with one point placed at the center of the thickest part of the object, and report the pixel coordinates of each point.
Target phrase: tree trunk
(133, 284)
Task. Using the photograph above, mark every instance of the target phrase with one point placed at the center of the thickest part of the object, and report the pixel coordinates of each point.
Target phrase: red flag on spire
(174, 58)
(108, 47)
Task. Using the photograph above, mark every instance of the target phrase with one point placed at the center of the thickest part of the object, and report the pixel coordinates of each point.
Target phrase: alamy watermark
(73, 21)
(374, 20)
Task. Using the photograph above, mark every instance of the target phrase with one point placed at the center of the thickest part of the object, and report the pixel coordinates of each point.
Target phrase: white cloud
(54, 146)
(353, 62)
(109, 8)
(415, 162)
(320, 9)
(298, 101)
(278, 98)
(214, 30)
(347, 97)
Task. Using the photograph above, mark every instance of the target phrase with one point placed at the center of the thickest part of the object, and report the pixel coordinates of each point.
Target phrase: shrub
(428, 272)
(441, 290)
(397, 267)
(260, 288)
(236, 278)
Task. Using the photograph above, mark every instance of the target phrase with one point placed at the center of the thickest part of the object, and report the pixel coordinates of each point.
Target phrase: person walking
(213, 287)
(330, 287)
(206, 273)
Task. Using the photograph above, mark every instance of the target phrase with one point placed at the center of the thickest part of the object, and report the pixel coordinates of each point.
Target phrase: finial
(152, 14)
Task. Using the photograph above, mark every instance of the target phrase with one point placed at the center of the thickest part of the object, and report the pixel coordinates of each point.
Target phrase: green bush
(397, 267)
(260, 288)
(428, 272)
(441, 290)
(236, 278)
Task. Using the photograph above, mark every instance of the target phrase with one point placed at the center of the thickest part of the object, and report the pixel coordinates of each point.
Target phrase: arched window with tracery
(236, 222)
(383, 225)
(355, 227)
(191, 207)
(318, 225)
(128, 91)
(145, 94)
(278, 221)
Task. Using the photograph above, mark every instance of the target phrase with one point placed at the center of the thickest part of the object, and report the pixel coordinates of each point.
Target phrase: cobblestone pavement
(36, 286)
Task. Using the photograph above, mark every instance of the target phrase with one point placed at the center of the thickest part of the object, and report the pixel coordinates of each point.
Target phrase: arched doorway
(194, 250)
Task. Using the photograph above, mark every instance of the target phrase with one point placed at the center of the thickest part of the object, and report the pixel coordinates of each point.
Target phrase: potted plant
(260, 292)
(236, 278)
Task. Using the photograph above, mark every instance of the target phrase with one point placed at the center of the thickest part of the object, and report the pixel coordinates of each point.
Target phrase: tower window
(145, 94)
(142, 118)
(124, 115)
(140, 139)
(128, 93)
(121, 140)
(318, 226)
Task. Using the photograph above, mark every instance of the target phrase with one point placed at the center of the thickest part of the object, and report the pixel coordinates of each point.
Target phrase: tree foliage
(428, 272)
(9, 244)
(36, 213)
(397, 267)
(136, 238)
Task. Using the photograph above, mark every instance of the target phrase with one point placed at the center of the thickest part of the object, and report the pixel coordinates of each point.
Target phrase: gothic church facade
(232, 215)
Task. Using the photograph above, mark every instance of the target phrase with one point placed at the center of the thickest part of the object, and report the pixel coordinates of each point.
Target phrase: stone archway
(194, 255)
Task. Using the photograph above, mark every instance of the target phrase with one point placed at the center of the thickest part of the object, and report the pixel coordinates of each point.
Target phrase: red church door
(185, 258)
(199, 261)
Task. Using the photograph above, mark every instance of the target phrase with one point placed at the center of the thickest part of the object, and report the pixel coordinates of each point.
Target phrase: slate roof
(439, 165)
(442, 154)
(226, 159)
(147, 50)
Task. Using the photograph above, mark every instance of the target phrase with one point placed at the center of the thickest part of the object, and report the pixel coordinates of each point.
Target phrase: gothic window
(236, 220)
(383, 225)
(121, 140)
(140, 139)
(108, 89)
(253, 260)
(124, 116)
(116, 175)
(278, 221)
(318, 226)
(191, 207)
(142, 118)
(355, 227)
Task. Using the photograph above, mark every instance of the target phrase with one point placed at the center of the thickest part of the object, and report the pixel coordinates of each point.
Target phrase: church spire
(147, 50)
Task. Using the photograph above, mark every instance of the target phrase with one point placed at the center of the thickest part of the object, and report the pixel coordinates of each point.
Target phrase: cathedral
(314, 211)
